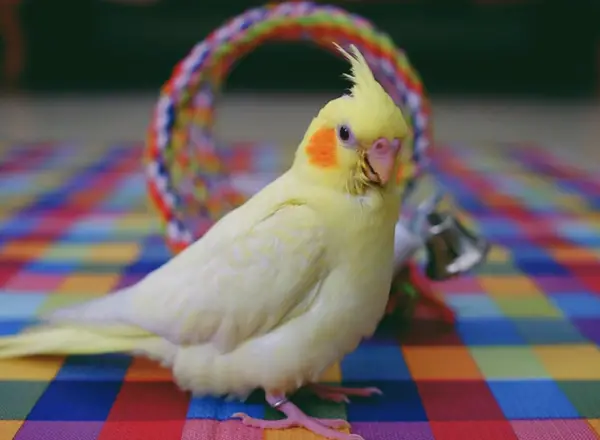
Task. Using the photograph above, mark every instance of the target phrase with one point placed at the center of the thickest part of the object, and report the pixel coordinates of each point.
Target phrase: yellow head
(355, 141)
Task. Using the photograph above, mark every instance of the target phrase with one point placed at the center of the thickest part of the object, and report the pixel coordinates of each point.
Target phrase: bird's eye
(345, 134)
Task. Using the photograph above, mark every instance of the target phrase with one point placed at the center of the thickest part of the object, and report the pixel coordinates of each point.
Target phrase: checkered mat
(522, 363)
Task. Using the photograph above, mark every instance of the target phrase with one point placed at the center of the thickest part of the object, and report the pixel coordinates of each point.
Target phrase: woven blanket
(522, 363)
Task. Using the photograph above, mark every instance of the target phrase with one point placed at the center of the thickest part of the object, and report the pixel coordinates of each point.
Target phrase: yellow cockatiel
(280, 288)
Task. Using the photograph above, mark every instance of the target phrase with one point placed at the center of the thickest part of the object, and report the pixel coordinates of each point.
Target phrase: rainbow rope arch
(181, 149)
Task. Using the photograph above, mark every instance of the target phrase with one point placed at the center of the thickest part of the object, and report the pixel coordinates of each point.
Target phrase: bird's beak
(380, 159)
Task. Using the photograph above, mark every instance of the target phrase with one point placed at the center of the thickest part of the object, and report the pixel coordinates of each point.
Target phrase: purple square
(589, 328)
(393, 430)
(554, 284)
(59, 430)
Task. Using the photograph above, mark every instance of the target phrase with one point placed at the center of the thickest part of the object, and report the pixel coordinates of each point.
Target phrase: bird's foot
(295, 418)
(341, 394)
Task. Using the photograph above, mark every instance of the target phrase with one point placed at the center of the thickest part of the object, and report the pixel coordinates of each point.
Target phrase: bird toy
(182, 151)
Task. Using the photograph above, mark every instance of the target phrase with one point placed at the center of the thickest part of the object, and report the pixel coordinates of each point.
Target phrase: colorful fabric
(523, 362)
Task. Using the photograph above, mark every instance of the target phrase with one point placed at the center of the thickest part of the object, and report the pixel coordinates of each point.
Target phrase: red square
(139, 401)
(34, 282)
(592, 282)
(488, 430)
(146, 430)
(431, 332)
(8, 270)
(230, 430)
(463, 284)
(459, 401)
(555, 428)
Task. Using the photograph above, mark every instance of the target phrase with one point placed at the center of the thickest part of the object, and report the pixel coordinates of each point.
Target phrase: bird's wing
(241, 286)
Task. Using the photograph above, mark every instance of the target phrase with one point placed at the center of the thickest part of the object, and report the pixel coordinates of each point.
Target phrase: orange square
(332, 375)
(570, 362)
(9, 428)
(573, 254)
(146, 370)
(113, 252)
(507, 285)
(441, 363)
(89, 283)
(594, 423)
(24, 249)
(42, 368)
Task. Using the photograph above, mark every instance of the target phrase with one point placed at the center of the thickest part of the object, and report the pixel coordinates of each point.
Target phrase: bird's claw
(341, 394)
(325, 427)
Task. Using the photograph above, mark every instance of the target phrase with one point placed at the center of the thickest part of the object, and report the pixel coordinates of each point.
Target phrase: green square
(314, 407)
(67, 252)
(59, 300)
(548, 331)
(17, 398)
(497, 268)
(531, 306)
(584, 396)
(508, 362)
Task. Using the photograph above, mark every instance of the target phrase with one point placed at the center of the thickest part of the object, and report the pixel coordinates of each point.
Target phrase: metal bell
(451, 248)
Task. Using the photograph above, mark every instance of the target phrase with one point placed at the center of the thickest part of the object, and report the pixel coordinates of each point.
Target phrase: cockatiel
(280, 288)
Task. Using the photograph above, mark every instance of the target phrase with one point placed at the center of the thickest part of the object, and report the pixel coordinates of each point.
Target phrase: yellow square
(332, 375)
(9, 428)
(59, 300)
(25, 249)
(31, 368)
(139, 222)
(508, 285)
(570, 362)
(294, 434)
(13, 203)
(115, 253)
(499, 254)
(89, 283)
(529, 306)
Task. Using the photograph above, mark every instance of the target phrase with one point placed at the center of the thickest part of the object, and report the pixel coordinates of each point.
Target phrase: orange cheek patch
(321, 148)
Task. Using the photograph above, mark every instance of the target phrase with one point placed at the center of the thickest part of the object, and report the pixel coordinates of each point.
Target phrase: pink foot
(297, 419)
(341, 394)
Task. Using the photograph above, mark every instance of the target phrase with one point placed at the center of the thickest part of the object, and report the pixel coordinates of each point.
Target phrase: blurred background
(497, 70)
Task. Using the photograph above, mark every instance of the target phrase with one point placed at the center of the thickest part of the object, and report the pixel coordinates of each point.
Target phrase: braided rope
(181, 149)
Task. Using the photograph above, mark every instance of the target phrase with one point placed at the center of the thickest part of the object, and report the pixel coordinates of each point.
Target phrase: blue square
(142, 266)
(498, 228)
(576, 230)
(76, 401)
(541, 267)
(375, 362)
(14, 326)
(541, 331)
(19, 226)
(20, 305)
(53, 267)
(532, 399)
(214, 408)
(108, 367)
(474, 306)
(489, 332)
(92, 229)
(577, 305)
(400, 402)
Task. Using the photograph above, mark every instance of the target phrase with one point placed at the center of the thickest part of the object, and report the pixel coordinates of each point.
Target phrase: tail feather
(65, 341)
